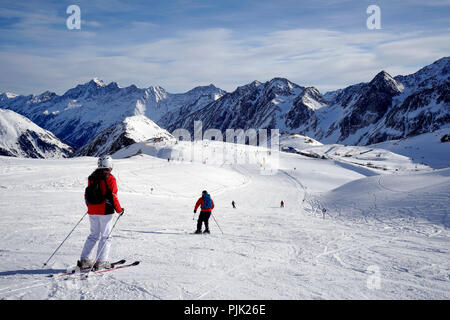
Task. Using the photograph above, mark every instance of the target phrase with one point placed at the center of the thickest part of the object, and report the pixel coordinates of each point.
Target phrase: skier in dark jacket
(207, 205)
(233, 204)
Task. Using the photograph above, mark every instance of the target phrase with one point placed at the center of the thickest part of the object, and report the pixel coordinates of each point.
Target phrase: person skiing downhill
(207, 205)
(233, 204)
(282, 204)
(101, 200)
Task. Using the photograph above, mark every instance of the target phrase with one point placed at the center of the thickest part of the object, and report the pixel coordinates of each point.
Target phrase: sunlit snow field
(384, 234)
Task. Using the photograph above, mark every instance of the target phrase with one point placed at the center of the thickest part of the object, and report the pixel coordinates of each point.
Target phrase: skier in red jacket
(207, 205)
(100, 214)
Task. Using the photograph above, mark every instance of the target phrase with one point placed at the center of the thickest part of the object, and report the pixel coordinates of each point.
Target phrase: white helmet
(105, 162)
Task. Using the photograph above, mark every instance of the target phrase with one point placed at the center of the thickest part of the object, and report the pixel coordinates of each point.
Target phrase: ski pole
(65, 239)
(216, 223)
(104, 244)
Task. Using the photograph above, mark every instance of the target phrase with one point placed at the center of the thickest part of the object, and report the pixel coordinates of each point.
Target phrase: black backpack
(93, 192)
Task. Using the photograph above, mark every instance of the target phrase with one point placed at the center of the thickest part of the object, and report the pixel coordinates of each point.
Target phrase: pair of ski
(83, 273)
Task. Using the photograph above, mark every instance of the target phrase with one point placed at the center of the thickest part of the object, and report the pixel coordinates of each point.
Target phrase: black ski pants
(203, 218)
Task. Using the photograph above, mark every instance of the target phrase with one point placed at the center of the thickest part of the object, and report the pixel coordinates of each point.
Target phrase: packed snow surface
(384, 234)
(426, 148)
(298, 141)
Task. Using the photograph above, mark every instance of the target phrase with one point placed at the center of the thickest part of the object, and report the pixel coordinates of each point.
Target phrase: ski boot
(102, 265)
(85, 263)
(206, 231)
(198, 232)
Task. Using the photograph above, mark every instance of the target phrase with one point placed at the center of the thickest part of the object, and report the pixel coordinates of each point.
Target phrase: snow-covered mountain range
(83, 112)
(383, 109)
(19, 137)
(278, 103)
(389, 108)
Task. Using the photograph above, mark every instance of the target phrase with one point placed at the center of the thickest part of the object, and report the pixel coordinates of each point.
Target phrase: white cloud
(323, 58)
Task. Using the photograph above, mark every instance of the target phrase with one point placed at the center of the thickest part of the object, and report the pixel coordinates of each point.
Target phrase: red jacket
(200, 202)
(112, 202)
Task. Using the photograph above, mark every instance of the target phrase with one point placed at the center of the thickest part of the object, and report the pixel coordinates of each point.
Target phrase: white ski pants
(100, 228)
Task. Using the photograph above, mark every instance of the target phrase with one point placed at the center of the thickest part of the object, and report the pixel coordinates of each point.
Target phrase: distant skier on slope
(207, 205)
(101, 200)
(282, 204)
(233, 204)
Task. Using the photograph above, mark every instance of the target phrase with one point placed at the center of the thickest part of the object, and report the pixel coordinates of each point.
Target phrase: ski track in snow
(266, 252)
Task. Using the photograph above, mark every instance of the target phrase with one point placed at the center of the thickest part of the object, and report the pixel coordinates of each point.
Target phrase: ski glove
(195, 211)
(123, 211)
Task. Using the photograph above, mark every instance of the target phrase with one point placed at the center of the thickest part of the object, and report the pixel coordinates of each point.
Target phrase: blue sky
(182, 44)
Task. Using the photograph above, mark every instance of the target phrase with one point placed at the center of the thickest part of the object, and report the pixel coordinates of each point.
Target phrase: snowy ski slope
(391, 225)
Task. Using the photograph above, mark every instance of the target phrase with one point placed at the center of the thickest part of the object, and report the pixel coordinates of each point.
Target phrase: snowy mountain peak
(8, 95)
(98, 82)
(312, 98)
(5, 96)
(311, 91)
(282, 83)
(209, 90)
(253, 84)
(384, 82)
(157, 89)
(158, 93)
(91, 88)
(134, 129)
(113, 85)
(281, 87)
(45, 96)
(248, 87)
